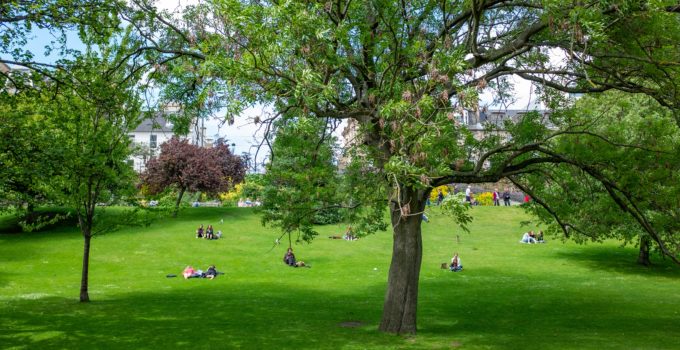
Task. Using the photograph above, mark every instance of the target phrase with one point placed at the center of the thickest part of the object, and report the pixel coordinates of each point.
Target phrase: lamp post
(233, 148)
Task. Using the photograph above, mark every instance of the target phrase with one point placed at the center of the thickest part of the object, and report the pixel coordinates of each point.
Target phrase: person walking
(506, 197)
(496, 198)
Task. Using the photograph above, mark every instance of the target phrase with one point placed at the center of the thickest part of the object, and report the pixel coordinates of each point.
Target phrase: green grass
(510, 296)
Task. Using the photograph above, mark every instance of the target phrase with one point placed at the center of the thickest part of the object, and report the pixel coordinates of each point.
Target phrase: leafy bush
(229, 199)
(485, 198)
(168, 198)
(327, 216)
(435, 192)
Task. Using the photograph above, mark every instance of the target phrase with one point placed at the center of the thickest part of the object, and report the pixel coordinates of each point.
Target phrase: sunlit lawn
(509, 296)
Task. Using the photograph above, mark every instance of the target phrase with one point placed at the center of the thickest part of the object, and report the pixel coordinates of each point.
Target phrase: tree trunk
(401, 298)
(30, 208)
(643, 257)
(179, 200)
(84, 295)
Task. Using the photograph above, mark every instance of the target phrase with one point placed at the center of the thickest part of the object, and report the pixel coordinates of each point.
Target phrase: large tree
(192, 168)
(632, 143)
(404, 71)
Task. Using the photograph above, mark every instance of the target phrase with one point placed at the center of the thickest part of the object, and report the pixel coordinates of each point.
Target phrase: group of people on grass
(190, 272)
(208, 233)
(532, 238)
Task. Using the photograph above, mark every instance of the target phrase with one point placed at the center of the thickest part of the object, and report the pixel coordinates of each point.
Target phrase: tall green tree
(404, 72)
(630, 143)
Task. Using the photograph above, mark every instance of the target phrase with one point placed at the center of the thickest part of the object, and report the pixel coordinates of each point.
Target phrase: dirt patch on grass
(351, 324)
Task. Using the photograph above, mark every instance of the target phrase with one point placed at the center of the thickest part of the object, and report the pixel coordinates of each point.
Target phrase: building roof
(155, 123)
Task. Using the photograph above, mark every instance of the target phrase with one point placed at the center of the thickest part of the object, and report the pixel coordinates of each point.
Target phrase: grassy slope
(510, 296)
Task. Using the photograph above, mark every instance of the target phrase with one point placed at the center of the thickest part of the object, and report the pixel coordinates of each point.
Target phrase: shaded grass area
(10, 221)
(510, 296)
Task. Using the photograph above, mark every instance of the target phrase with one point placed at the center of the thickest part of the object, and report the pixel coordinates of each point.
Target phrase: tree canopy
(629, 145)
(192, 168)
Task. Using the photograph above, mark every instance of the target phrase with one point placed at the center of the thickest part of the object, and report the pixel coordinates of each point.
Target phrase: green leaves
(455, 206)
(301, 179)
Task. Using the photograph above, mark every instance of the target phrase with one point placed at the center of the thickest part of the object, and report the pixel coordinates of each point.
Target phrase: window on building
(152, 141)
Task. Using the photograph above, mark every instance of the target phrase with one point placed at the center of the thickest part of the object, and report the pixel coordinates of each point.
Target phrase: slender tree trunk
(179, 200)
(84, 295)
(643, 257)
(401, 298)
(30, 208)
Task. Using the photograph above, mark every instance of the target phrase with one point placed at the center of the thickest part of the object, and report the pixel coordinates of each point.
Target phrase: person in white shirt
(455, 263)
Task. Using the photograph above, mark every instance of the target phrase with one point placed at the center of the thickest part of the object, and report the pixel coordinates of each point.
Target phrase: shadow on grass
(620, 260)
(503, 309)
(209, 315)
(455, 310)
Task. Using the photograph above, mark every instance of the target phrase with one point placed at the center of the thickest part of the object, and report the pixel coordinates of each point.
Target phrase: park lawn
(509, 295)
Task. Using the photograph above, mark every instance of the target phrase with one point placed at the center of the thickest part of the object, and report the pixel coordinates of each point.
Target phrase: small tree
(300, 179)
(89, 122)
(192, 168)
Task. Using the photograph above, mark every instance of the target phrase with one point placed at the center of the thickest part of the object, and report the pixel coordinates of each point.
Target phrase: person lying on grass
(211, 273)
(289, 259)
(190, 272)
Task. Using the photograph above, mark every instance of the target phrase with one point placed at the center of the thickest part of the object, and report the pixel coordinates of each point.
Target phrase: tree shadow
(484, 308)
(208, 315)
(620, 260)
(528, 313)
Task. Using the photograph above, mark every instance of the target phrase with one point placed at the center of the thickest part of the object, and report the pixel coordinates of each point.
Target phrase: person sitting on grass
(289, 259)
(211, 273)
(539, 239)
(349, 235)
(199, 232)
(528, 238)
(455, 263)
(209, 233)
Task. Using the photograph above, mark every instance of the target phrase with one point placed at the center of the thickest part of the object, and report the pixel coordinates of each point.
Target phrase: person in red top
(496, 198)
(527, 198)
